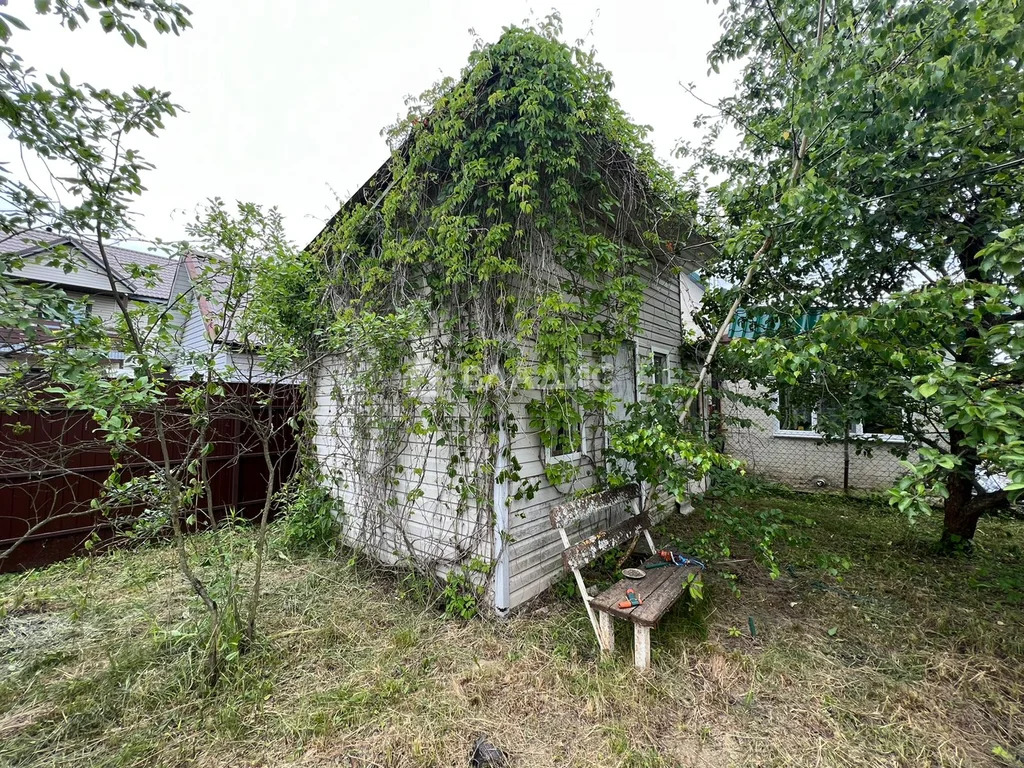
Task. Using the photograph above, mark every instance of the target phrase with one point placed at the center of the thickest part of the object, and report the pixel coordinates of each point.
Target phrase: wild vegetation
(866, 650)
(505, 242)
(904, 234)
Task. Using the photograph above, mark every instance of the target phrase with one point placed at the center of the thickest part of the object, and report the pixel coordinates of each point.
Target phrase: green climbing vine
(483, 276)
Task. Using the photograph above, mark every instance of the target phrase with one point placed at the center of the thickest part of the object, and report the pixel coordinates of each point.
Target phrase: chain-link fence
(802, 459)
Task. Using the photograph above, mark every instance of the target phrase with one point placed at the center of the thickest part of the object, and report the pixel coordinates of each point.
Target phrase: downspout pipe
(502, 534)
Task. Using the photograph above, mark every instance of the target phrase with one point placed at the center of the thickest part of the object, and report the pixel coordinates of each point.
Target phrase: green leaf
(14, 21)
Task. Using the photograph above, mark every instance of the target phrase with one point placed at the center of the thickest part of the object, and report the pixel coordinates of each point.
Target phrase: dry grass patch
(918, 670)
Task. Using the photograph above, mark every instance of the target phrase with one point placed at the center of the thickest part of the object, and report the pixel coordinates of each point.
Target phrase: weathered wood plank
(641, 646)
(606, 633)
(589, 549)
(593, 504)
(659, 591)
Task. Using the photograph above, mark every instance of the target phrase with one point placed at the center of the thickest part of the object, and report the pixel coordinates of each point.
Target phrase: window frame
(550, 457)
(664, 352)
(855, 431)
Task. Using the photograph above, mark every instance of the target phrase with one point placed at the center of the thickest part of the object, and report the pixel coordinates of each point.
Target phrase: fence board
(53, 471)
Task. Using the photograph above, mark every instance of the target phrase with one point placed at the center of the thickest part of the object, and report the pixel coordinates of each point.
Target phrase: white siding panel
(430, 522)
(536, 553)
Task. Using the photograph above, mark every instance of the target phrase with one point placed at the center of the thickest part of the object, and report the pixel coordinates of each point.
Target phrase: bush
(310, 522)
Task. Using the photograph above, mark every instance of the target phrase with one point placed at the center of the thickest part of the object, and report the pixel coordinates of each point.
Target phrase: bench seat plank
(660, 590)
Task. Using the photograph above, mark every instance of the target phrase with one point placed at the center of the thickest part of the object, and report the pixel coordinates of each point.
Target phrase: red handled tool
(633, 599)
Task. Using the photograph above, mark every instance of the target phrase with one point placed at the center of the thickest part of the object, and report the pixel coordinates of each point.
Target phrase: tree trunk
(960, 514)
(960, 518)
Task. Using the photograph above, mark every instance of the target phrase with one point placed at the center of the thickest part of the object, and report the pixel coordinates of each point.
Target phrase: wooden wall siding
(536, 552)
(430, 528)
(32, 489)
(430, 524)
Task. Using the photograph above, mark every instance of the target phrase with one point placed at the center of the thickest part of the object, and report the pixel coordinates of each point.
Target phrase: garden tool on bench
(632, 599)
(669, 557)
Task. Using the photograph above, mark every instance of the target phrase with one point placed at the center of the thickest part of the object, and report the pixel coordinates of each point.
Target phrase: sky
(283, 102)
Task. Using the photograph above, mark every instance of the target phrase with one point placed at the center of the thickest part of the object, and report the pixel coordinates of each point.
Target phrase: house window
(880, 420)
(794, 416)
(567, 441)
(659, 368)
(79, 311)
(798, 417)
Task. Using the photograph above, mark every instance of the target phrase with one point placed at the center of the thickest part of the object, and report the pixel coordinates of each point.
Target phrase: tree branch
(778, 26)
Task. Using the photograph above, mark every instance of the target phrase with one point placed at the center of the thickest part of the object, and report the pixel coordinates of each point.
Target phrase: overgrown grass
(869, 650)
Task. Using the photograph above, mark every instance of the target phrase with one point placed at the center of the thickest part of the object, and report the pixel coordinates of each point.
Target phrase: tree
(82, 137)
(905, 229)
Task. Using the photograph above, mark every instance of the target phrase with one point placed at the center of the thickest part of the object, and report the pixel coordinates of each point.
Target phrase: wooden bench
(659, 590)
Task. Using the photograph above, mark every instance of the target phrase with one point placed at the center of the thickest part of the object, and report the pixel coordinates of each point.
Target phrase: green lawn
(869, 650)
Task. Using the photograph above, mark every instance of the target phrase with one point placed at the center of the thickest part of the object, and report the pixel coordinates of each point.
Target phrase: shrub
(310, 521)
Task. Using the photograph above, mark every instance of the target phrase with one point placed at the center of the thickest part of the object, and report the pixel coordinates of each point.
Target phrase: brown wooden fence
(53, 465)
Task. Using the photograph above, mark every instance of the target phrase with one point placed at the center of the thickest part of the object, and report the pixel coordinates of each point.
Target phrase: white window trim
(856, 430)
(658, 350)
(879, 437)
(562, 458)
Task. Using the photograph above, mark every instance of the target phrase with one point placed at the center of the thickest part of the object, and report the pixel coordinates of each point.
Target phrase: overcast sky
(284, 101)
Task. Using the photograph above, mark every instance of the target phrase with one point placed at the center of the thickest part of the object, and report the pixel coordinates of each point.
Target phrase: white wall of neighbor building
(804, 462)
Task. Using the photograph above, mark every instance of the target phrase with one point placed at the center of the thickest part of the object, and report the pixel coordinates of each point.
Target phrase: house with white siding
(193, 290)
(447, 470)
(211, 308)
(398, 496)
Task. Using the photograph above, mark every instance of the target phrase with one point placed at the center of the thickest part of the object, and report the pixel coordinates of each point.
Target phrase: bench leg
(606, 633)
(641, 646)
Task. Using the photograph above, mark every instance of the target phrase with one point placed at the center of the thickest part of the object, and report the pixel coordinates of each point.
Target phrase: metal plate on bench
(659, 591)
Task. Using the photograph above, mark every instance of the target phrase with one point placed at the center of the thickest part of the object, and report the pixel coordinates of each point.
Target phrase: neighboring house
(400, 493)
(194, 290)
(211, 308)
(780, 441)
(75, 266)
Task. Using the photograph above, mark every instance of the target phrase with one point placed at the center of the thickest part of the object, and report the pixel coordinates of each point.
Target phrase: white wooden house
(398, 495)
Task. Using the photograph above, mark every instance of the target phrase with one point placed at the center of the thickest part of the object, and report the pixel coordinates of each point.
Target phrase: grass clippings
(870, 650)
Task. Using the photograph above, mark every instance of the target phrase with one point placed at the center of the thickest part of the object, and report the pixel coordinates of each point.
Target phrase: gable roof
(212, 287)
(39, 241)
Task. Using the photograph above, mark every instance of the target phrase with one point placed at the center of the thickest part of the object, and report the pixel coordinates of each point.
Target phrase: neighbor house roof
(39, 241)
(755, 325)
